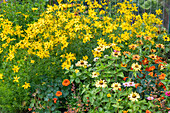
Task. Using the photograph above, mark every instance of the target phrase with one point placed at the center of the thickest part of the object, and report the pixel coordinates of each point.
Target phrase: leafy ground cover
(74, 58)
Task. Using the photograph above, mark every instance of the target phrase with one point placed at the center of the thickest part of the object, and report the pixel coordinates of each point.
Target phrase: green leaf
(120, 74)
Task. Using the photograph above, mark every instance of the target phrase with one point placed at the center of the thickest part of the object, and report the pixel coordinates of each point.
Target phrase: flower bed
(78, 58)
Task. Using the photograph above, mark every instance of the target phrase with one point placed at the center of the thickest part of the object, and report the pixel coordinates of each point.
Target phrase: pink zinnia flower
(150, 98)
(116, 51)
(131, 84)
(126, 84)
(167, 93)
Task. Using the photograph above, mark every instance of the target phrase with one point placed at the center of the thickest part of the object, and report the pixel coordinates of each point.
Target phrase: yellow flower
(76, 70)
(108, 95)
(15, 69)
(32, 61)
(166, 38)
(1, 76)
(158, 12)
(26, 85)
(34, 9)
(85, 57)
(16, 79)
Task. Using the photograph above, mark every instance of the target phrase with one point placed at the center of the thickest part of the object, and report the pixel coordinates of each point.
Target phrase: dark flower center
(133, 96)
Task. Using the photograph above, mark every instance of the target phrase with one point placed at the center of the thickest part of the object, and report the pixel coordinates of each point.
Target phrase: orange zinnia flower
(147, 37)
(123, 65)
(160, 46)
(136, 57)
(58, 93)
(151, 68)
(133, 46)
(126, 52)
(151, 74)
(66, 82)
(162, 76)
(152, 56)
(138, 36)
(153, 50)
(147, 111)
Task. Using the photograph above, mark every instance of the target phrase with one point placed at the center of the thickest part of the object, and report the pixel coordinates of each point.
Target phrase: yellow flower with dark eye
(16, 79)
(108, 95)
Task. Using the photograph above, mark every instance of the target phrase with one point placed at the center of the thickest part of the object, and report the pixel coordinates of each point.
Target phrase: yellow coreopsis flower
(34, 9)
(16, 79)
(15, 69)
(158, 12)
(26, 85)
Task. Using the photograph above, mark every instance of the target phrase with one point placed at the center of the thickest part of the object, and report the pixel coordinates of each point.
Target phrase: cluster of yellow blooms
(61, 24)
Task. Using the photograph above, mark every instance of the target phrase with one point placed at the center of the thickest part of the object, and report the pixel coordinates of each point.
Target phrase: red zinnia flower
(125, 78)
(29, 109)
(66, 82)
(145, 61)
(55, 99)
(147, 111)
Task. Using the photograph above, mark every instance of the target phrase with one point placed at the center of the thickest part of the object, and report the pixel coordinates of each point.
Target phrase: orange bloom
(138, 36)
(136, 57)
(133, 46)
(136, 85)
(151, 68)
(153, 50)
(160, 46)
(153, 56)
(123, 65)
(58, 93)
(126, 52)
(151, 74)
(66, 82)
(125, 111)
(147, 37)
(162, 76)
(140, 42)
(147, 111)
